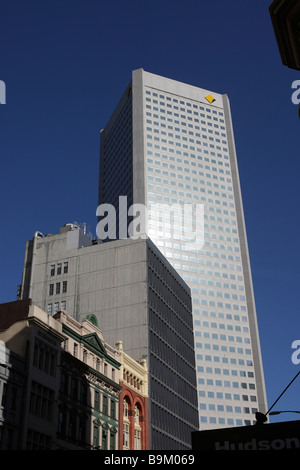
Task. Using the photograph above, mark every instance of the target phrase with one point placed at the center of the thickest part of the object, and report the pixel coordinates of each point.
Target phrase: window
(97, 401)
(85, 356)
(112, 409)
(41, 401)
(64, 287)
(83, 393)
(51, 289)
(104, 440)
(62, 421)
(125, 405)
(96, 436)
(74, 388)
(59, 268)
(125, 435)
(112, 440)
(52, 270)
(50, 309)
(82, 430)
(137, 439)
(64, 383)
(72, 425)
(57, 291)
(105, 403)
(137, 415)
(66, 267)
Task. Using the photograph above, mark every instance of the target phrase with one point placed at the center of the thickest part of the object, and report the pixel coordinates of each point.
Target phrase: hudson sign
(275, 436)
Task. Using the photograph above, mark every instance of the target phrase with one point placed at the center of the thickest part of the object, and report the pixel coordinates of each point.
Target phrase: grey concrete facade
(139, 299)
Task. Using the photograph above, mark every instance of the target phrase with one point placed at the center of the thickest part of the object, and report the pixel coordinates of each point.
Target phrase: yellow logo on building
(210, 99)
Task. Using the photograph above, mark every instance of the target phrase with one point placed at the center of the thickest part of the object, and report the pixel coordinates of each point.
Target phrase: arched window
(126, 424)
(125, 409)
(137, 428)
(136, 415)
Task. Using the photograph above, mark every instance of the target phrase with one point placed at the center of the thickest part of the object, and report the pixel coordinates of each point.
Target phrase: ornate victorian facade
(89, 391)
(133, 403)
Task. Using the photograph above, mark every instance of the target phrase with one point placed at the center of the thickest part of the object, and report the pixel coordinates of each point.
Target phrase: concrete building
(59, 382)
(12, 380)
(139, 299)
(133, 403)
(34, 337)
(285, 16)
(169, 147)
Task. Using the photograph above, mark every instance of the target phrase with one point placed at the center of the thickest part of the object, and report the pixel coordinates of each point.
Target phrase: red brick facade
(140, 423)
(12, 312)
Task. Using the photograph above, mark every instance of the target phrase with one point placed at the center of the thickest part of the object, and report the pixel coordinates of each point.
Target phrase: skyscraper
(171, 145)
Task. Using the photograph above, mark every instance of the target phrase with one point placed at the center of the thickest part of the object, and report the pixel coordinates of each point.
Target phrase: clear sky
(65, 65)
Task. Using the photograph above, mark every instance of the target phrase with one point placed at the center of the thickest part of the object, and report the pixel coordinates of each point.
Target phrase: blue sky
(65, 65)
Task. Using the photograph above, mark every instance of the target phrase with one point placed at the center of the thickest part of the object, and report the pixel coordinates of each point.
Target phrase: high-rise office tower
(171, 145)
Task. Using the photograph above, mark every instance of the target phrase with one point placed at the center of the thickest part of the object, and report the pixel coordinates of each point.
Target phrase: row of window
(214, 136)
(177, 113)
(132, 427)
(41, 401)
(103, 438)
(220, 294)
(229, 327)
(228, 384)
(175, 245)
(170, 98)
(54, 308)
(189, 124)
(227, 316)
(206, 134)
(189, 164)
(217, 347)
(77, 390)
(59, 268)
(189, 143)
(218, 370)
(212, 303)
(156, 198)
(224, 359)
(180, 176)
(60, 287)
(45, 357)
(159, 196)
(187, 187)
(72, 425)
(227, 408)
(104, 404)
(8, 395)
(37, 441)
(226, 396)
(158, 184)
(222, 337)
(222, 421)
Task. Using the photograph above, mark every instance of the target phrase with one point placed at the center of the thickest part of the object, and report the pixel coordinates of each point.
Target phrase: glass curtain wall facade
(183, 154)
